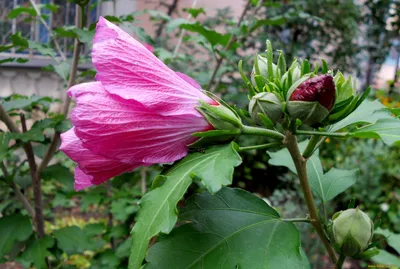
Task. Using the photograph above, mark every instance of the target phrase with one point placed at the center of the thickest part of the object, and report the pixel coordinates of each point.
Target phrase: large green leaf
(386, 129)
(158, 211)
(13, 228)
(392, 239)
(59, 173)
(314, 166)
(367, 112)
(37, 251)
(228, 230)
(386, 258)
(335, 182)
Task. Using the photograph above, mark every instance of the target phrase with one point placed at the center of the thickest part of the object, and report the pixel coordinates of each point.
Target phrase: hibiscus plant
(138, 113)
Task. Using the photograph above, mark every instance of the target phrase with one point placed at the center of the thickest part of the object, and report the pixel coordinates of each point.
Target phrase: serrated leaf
(367, 112)
(335, 182)
(21, 10)
(230, 229)
(277, 20)
(37, 251)
(43, 49)
(158, 211)
(72, 240)
(13, 228)
(386, 129)
(195, 11)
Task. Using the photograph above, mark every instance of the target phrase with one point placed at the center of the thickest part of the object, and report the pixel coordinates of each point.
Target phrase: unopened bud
(268, 104)
(311, 99)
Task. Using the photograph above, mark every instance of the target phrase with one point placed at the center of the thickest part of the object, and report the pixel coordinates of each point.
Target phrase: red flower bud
(311, 99)
(321, 89)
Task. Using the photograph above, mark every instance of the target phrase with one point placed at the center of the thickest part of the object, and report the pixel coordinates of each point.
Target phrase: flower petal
(189, 80)
(92, 169)
(126, 130)
(126, 68)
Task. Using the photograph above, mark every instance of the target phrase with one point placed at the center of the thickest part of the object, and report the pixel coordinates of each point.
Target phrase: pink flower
(138, 112)
(149, 47)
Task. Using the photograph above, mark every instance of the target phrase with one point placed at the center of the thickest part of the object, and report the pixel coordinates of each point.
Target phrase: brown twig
(228, 45)
(37, 188)
(170, 10)
(18, 193)
(4, 117)
(67, 101)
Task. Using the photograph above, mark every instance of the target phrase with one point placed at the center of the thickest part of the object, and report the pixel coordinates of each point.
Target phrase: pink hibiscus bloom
(138, 112)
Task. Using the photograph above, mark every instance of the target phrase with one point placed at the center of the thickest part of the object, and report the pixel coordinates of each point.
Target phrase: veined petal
(189, 80)
(126, 68)
(93, 169)
(128, 131)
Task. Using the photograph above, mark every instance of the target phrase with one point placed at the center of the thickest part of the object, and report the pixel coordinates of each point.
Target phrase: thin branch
(262, 146)
(301, 168)
(228, 45)
(298, 220)
(170, 10)
(183, 32)
(67, 101)
(62, 55)
(37, 188)
(18, 193)
(4, 117)
(344, 134)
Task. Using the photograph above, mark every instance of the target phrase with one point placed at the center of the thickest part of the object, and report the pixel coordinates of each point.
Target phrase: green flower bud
(262, 63)
(220, 116)
(310, 99)
(268, 104)
(352, 231)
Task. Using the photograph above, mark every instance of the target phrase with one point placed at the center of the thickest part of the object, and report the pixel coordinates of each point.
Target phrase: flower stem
(262, 146)
(301, 168)
(311, 146)
(339, 263)
(249, 130)
(322, 133)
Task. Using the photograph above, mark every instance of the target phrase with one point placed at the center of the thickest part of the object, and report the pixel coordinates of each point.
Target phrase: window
(34, 30)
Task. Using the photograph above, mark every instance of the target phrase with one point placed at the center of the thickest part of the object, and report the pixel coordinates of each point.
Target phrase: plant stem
(262, 146)
(110, 214)
(18, 193)
(65, 108)
(183, 32)
(228, 45)
(249, 130)
(340, 261)
(301, 168)
(298, 220)
(4, 117)
(143, 183)
(37, 188)
(311, 146)
(322, 133)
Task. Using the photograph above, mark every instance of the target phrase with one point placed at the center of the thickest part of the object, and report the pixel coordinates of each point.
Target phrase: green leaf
(386, 258)
(63, 69)
(175, 23)
(21, 10)
(195, 11)
(231, 229)
(73, 240)
(367, 112)
(19, 40)
(212, 36)
(158, 211)
(13, 228)
(37, 251)
(36, 132)
(43, 49)
(4, 141)
(123, 208)
(277, 20)
(59, 173)
(392, 239)
(335, 182)
(386, 129)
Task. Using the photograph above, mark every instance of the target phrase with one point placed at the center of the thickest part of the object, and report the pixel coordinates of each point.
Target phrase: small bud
(262, 64)
(311, 99)
(268, 104)
(220, 116)
(352, 231)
